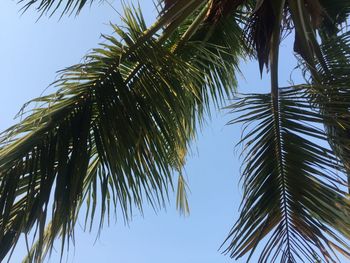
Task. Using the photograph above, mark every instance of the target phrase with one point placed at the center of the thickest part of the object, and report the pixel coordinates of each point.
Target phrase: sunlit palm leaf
(294, 186)
(112, 135)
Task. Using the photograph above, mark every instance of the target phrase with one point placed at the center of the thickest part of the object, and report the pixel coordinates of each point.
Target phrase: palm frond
(181, 197)
(333, 72)
(112, 135)
(294, 186)
(51, 6)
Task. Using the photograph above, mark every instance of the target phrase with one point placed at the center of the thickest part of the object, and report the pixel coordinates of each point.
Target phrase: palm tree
(119, 126)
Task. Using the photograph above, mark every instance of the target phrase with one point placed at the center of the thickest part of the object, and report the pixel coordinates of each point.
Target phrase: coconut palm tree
(118, 127)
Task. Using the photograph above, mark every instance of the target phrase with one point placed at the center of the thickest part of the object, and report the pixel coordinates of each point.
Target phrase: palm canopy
(119, 126)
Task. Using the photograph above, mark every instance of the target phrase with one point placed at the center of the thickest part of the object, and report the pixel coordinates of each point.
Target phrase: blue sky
(31, 54)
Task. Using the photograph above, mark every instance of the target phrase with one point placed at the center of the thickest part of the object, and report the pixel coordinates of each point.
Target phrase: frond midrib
(276, 108)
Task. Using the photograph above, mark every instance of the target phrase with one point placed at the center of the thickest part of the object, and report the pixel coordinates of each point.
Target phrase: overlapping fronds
(294, 185)
(111, 136)
(333, 73)
(121, 122)
(295, 195)
(305, 17)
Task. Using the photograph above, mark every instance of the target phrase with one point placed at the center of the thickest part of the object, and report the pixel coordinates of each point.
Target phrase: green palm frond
(113, 134)
(294, 186)
(120, 124)
(51, 6)
(295, 195)
(181, 197)
(333, 72)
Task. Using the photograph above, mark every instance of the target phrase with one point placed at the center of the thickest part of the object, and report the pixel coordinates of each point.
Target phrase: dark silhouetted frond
(295, 202)
(334, 74)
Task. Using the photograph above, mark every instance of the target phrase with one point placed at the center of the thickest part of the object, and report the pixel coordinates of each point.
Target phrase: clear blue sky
(31, 53)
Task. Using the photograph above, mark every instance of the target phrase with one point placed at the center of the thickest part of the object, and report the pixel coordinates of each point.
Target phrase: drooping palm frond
(325, 59)
(294, 185)
(295, 194)
(113, 134)
(259, 31)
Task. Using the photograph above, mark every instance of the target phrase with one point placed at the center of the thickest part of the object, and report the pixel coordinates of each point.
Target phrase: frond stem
(194, 26)
(298, 15)
(275, 43)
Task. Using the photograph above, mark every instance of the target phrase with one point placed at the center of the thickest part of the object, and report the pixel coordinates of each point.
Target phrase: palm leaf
(112, 135)
(336, 52)
(332, 72)
(44, 6)
(294, 189)
(134, 105)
